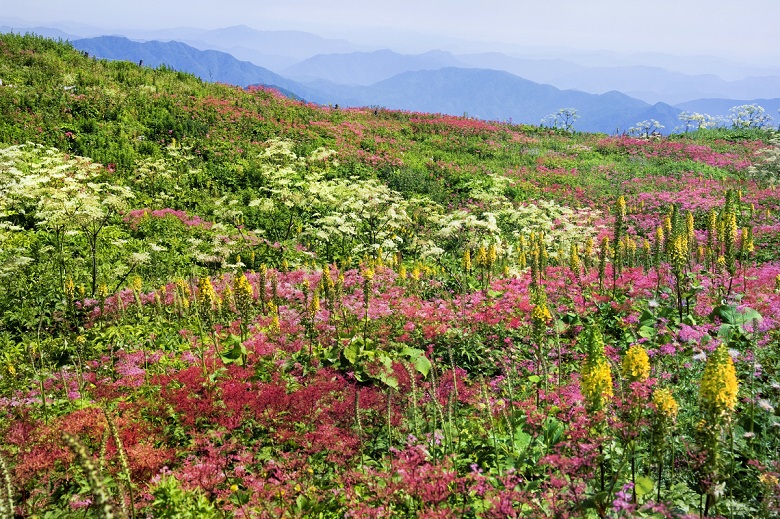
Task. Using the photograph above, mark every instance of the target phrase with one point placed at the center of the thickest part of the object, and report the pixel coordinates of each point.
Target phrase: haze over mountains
(487, 85)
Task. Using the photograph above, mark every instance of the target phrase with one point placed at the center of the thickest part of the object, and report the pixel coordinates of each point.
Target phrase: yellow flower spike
(482, 257)
(636, 364)
(492, 255)
(541, 313)
(242, 288)
(679, 253)
(314, 304)
(665, 404)
(596, 381)
(659, 235)
(466, 261)
(620, 207)
(719, 385)
(70, 288)
(689, 227)
(747, 241)
(574, 259)
(207, 296)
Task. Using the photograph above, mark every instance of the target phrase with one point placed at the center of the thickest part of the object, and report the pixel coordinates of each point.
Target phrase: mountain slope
(653, 84)
(366, 68)
(209, 65)
(492, 95)
(722, 106)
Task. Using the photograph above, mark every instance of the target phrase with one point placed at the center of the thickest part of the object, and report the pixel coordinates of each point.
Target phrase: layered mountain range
(610, 94)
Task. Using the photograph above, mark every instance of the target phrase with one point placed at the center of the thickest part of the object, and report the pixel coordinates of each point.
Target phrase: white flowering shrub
(767, 168)
(749, 116)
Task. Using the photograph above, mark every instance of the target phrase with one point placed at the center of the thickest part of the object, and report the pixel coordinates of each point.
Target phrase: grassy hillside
(220, 302)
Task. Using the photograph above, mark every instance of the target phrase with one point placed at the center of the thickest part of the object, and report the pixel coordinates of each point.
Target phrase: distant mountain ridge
(650, 84)
(367, 68)
(495, 95)
(209, 65)
(483, 93)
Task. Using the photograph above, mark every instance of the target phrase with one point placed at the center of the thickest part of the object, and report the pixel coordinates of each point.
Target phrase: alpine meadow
(222, 302)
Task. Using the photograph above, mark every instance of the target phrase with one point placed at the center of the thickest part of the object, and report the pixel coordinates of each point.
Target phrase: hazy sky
(743, 29)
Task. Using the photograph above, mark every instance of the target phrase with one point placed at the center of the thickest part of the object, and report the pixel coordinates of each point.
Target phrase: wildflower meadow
(220, 302)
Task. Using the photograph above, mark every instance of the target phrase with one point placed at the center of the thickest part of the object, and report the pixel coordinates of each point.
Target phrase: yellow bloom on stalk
(326, 280)
(731, 226)
(620, 207)
(631, 246)
(242, 288)
(314, 304)
(659, 235)
(712, 226)
(636, 364)
(689, 227)
(492, 255)
(719, 385)
(665, 404)
(679, 253)
(70, 288)
(574, 259)
(596, 381)
(207, 296)
(482, 259)
(589, 247)
(137, 283)
(541, 313)
(466, 262)
(668, 224)
(227, 295)
(747, 241)
(183, 286)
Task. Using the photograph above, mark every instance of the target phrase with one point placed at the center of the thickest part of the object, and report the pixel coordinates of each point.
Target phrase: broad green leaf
(644, 486)
(422, 365)
(351, 352)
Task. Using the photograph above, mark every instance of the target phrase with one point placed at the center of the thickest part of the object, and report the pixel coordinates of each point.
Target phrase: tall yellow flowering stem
(665, 413)
(208, 308)
(620, 224)
(634, 368)
(540, 317)
(596, 379)
(718, 396)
